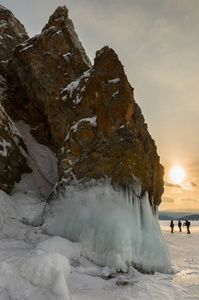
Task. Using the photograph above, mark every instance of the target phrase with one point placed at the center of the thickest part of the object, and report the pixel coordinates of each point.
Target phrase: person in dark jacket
(180, 226)
(188, 224)
(172, 226)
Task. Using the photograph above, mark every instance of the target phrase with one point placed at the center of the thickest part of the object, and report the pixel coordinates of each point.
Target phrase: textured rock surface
(107, 136)
(13, 151)
(12, 32)
(41, 67)
(86, 113)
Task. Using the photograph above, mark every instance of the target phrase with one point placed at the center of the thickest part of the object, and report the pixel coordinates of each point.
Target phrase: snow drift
(117, 228)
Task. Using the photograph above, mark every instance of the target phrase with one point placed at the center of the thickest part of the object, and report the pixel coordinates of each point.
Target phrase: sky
(157, 42)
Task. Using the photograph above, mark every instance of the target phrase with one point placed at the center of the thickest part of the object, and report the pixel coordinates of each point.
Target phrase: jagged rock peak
(60, 13)
(12, 32)
(108, 62)
(56, 58)
(59, 20)
(105, 49)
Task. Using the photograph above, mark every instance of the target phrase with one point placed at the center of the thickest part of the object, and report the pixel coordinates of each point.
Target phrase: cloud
(173, 185)
(191, 184)
(168, 200)
(188, 200)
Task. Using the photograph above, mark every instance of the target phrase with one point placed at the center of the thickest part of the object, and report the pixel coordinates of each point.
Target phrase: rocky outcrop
(41, 67)
(12, 32)
(107, 136)
(87, 114)
(13, 152)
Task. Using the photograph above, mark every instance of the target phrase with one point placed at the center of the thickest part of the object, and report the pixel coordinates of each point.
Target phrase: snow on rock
(26, 48)
(12, 149)
(12, 32)
(3, 147)
(116, 93)
(48, 270)
(42, 161)
(75, 87)
(116, 80)
(92, 122)
(116, 229)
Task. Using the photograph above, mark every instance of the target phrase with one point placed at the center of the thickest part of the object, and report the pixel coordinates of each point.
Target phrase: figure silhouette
(188, 224)
(172, 226)
(180, 226)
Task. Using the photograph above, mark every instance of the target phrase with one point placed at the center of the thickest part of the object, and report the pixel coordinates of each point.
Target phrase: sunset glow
(177, 174)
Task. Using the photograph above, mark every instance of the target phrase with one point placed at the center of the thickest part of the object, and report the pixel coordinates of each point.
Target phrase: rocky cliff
(12, 32)
(86, 114)
(13, 152)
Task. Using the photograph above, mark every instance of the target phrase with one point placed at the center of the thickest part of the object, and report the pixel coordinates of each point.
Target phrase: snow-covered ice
(47, 270)
(117, 228)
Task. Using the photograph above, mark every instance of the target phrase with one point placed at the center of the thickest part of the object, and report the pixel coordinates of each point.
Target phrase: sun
(177, 174)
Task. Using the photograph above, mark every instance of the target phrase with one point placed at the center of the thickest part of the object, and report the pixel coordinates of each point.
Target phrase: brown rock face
(107, 136)
(13, 151)
(88, 113)
(42, 66)
(12, 32)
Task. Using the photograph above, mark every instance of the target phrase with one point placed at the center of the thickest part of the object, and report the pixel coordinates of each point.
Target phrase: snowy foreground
(36, 266)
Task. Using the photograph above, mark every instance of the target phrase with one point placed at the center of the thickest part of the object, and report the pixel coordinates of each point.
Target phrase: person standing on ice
(187, 223)
(172, 226)
(180, 226)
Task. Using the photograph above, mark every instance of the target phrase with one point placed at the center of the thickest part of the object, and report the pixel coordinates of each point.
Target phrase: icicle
(117, 228)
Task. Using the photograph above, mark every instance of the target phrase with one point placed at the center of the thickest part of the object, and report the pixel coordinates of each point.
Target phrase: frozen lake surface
(184, 250)
(182, 284)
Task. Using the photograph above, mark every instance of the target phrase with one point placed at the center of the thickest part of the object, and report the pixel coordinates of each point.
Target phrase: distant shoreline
(178, 216)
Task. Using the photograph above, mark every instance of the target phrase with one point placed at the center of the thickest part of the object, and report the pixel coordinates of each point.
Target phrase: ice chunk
(48, 270)
(62, 246)
(116, 229)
